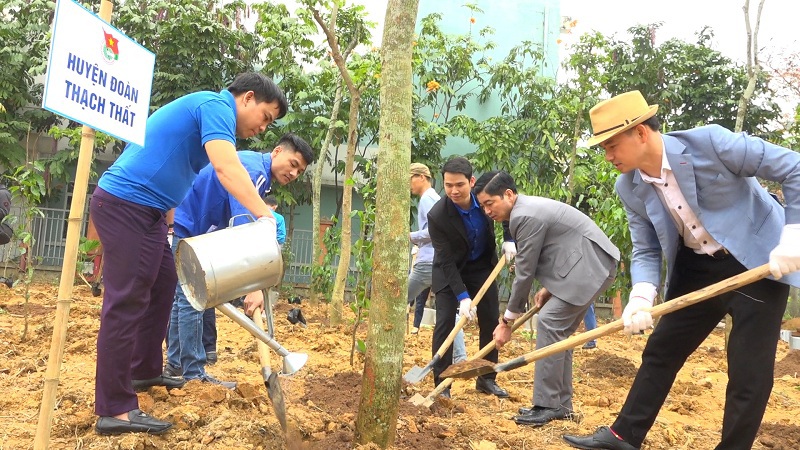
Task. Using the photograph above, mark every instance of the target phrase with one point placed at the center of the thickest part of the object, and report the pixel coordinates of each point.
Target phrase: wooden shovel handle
(263, 349)
(675, 304)
(463, 320)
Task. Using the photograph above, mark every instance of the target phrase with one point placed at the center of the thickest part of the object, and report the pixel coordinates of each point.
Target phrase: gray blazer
(715, 169)
(562, 248)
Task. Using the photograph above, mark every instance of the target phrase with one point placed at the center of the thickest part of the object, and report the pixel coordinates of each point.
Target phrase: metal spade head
(468, 369)
(293, 362)
(275, 393)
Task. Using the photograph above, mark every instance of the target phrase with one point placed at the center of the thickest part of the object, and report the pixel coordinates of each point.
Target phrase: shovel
(417, 374)
(419, 400)
(469, 369)
(270, 379)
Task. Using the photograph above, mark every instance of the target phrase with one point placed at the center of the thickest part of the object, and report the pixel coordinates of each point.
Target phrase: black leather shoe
(603, 438)
(172, 371)
(445, 393)
(540, 415)
(138, 422)
(489, 386)
(161, 380)
(525, 410)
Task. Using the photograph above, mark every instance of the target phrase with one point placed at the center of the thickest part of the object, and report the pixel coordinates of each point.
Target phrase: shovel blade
(416, 374)
(275, 393)
(469, 369)
(419, 400)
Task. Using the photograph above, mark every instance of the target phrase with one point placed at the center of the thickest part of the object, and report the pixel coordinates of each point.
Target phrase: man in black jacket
(464, 256)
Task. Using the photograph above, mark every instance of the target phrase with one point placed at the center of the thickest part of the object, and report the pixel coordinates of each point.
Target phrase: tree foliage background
(536, 135)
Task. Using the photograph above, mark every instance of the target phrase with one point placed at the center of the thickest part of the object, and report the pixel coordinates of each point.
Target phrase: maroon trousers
(139, 278)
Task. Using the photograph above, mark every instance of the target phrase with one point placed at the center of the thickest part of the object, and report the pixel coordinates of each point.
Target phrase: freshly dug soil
(322, 399)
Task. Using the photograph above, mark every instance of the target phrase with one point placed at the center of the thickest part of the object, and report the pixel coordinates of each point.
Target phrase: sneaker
(211, 358)
(414, 330)
(172, 371)
(589, 345)
(225, 384)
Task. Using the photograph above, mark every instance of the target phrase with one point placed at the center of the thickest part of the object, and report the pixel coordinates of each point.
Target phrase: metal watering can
(217, 267)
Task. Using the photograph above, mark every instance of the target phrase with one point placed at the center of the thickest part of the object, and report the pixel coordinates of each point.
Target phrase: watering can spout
(292, 362)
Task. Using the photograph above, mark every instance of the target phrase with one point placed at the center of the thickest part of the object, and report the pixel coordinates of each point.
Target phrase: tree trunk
(753, 70)
(753, 67)
(316, 242)
(337, 300)
(576, 134)
(380, 388)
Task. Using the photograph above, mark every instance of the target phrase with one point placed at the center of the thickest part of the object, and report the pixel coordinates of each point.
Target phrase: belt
(721, 254)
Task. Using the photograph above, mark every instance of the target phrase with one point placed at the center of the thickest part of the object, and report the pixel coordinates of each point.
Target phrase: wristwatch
(507, 322)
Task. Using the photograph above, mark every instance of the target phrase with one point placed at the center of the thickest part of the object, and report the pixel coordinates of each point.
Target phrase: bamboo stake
(51, 377)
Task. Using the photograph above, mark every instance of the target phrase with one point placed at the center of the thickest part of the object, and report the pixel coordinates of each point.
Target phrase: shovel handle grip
(463, 320)
(675, 304)
(263, 349)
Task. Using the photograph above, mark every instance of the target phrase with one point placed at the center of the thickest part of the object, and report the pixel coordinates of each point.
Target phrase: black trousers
(473, 275)
(756, 309)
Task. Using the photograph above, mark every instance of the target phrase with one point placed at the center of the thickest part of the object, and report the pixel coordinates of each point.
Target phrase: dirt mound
(606, 365)
(789, 365)
(322, 399)
(779, 437)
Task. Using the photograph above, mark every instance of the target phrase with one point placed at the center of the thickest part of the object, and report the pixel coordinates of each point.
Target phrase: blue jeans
(590, 321)
(185, 339)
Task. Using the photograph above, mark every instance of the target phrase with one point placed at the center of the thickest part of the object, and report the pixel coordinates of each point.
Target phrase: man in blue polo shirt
(209, 207)
(130, 211)
(272, 202)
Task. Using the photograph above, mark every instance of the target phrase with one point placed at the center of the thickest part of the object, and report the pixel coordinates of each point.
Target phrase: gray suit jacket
(562, 248)
(715, 169)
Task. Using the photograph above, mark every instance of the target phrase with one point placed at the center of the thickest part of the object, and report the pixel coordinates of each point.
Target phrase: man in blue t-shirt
(209, 207)
(131, 208)
(272, 202)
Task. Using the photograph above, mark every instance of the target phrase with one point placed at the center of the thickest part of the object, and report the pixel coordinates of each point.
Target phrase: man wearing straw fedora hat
(692, 198)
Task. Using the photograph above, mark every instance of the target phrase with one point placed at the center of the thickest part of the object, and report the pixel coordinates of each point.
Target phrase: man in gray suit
(693, 199)
(573, 260)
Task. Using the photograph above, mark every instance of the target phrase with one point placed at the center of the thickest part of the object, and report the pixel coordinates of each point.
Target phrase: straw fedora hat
(617, 114)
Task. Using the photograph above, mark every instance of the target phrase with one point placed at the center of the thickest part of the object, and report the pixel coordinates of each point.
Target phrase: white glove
(636, 316)
(509, 250)
(465, 310)
(785, 258)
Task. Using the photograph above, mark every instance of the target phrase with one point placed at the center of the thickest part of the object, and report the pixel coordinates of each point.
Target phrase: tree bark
(316, 190)
(316, 186)
(337, 300)
(380, 388)
(753, 66)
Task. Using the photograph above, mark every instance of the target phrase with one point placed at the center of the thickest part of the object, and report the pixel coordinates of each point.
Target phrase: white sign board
(96, 75)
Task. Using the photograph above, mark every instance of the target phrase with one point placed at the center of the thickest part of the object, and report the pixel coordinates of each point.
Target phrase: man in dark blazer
(573, 260)
(464, 256)
(692, 199)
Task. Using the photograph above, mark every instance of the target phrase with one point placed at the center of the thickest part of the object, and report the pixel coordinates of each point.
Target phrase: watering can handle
(233, 219)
